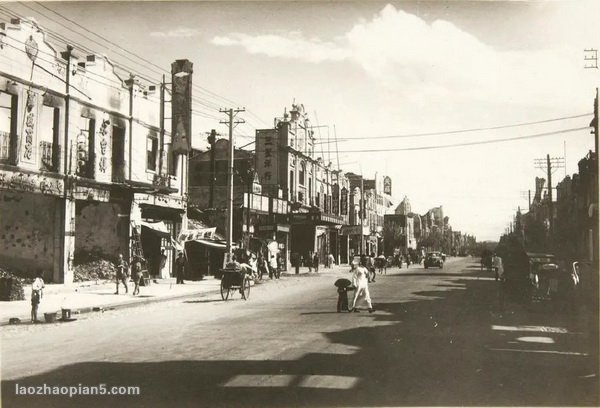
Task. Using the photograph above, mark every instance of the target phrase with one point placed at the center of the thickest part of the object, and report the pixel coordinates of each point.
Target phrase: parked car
(433, 259)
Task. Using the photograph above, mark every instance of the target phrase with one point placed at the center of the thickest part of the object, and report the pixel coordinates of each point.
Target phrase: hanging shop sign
(181, 106)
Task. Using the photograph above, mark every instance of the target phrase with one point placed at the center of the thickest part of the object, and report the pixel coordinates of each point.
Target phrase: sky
(365, 70)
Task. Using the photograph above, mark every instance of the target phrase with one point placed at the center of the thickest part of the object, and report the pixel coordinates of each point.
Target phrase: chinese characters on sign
(29, 126)
(104, 133)
(267, 144)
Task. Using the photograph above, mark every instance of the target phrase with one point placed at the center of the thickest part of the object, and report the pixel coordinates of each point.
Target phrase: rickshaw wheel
(246, 289)
(224, 290)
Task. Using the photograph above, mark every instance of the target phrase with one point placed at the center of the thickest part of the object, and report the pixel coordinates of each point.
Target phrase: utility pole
(550, 165)
(595, 121)
(362, 215)
(212, 138)
(230, 161)
(161, 142)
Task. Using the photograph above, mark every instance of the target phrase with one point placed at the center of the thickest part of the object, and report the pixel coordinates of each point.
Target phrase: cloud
(435, 60)
(181, 32)
(293, 46)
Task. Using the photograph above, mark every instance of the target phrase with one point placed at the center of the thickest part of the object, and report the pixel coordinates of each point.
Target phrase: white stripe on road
(286, 380)
(543, 329)
(566, 353)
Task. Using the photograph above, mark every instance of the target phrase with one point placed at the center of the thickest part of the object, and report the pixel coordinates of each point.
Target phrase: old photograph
(299, 203)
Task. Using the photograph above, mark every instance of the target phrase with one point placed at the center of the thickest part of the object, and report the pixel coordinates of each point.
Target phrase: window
(291, 186)
(8, 127)
(49, 134)
(151, 152)
(118, 154)
(302, 174)
(85, 148)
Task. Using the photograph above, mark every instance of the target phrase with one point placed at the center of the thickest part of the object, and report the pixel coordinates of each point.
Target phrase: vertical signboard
(29, 127)
(344, 201)
(181, 106)
(267, 156)
(335, 199)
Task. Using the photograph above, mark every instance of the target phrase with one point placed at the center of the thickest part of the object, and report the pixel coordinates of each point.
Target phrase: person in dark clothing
(136, 274)
(316, 262)
(180, 268)
(122, 273)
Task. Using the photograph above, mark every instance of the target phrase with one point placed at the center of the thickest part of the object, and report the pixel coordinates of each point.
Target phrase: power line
(481, 142)
(449, 132)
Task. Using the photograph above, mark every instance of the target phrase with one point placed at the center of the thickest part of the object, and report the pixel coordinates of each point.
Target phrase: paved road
(438, 337)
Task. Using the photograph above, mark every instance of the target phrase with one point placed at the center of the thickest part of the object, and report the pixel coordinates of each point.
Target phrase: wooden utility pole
(230, 161)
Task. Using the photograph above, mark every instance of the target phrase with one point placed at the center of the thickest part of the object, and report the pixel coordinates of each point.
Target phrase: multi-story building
(370, 200)
(258, 219)
(288, 167)
(84, 157)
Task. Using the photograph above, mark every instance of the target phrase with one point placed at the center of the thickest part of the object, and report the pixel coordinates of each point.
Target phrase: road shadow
(453, 348)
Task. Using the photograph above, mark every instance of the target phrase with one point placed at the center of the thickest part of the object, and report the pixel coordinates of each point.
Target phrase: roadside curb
(121, 305)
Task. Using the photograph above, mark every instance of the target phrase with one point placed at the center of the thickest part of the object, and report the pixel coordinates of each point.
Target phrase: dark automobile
(433, 259)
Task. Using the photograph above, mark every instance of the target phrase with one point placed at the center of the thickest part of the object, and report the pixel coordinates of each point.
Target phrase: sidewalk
(84, 297)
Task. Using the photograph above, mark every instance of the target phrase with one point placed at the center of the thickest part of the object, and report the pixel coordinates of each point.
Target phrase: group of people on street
(360, 284)
(122, 275)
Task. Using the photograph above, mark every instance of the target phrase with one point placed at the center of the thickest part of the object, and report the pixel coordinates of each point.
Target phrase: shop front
(158, 220)
(276, 239)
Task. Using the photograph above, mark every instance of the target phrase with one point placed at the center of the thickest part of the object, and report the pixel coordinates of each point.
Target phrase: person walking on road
(273, 267)
(498, 267)
(136, 274)
(180, 268)
(122, 273)
(37, 288)
(360, 281)
(370, 265)
(331, 259)
(316, 262)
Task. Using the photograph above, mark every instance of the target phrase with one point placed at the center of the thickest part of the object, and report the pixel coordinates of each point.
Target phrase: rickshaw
(235, 278)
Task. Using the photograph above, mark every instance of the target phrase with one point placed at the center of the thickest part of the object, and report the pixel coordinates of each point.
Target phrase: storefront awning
(158, 227)
(211, 243)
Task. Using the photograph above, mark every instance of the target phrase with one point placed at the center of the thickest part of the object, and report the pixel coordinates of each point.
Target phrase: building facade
(288, 167)
(84, 158)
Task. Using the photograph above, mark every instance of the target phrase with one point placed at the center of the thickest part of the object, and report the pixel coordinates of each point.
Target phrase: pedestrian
(309, 261)
(331, 260)
(296, 259)
(162, 261)
(407, 261)
(122, 273)
(37, 289)
(497, 265)
(370, 265)
(360, 281)
(273, 267)
(253, 265)
(180, 268)
(136, 274)
(343, 286)
(316, 262)
(261, 264)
